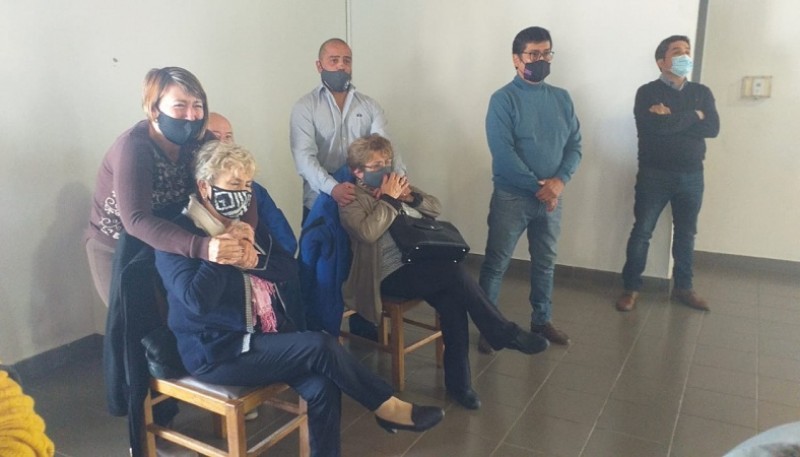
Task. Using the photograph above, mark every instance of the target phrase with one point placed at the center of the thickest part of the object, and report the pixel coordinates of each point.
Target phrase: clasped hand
(395, 186)
(234, 246)
(549, 192)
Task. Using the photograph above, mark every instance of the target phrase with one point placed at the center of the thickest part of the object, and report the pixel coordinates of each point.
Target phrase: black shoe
(423, 418)
(467, 398)
(484, 347)
(362, 327)
(528, 343)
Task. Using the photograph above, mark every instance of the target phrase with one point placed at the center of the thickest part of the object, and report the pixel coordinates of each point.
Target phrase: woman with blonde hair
(378, 269)
(232, 324)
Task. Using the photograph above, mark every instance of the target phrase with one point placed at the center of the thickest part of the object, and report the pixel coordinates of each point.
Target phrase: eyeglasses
(375, 166)
(537, 55)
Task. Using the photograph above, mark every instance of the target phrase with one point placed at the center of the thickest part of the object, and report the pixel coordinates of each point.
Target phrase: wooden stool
(228, 405)
(391, 337)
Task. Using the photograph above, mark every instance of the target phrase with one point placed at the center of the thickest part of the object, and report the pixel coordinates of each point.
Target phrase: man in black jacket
(673, 118)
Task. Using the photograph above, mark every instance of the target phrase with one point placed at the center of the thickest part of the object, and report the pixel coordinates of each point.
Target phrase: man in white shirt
(325, 122)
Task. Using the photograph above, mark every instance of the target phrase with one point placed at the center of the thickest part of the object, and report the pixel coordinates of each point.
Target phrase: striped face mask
(230, 203)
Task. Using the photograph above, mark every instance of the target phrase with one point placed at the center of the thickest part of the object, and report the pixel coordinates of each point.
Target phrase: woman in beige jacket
(378, 269)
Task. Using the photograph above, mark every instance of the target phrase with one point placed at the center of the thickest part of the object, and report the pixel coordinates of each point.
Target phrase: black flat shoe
(466, 398)
(528, 342)
(423, 417)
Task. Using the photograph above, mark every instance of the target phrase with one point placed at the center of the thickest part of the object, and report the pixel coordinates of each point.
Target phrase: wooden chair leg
(237, 438)
(398, 346)
(383, 330)
(305, 447)
(149, 438)
(439, 344)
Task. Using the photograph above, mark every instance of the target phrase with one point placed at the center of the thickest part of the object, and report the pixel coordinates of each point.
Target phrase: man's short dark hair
(661, 50)
(529, 35)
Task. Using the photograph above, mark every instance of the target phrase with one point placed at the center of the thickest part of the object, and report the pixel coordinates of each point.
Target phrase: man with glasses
(535, 141)
(673, 118)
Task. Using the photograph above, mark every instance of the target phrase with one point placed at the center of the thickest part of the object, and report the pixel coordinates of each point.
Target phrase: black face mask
(179, 131)
(230, 203)
(336, 81)
(536, 71)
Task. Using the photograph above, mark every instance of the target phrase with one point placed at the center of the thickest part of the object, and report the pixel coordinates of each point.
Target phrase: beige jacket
(366, 219)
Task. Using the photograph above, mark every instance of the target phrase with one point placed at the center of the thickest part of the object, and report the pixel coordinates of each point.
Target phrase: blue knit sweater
(533, 134)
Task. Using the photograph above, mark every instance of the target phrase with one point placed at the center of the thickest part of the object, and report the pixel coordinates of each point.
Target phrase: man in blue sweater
(535, 141)
(673, 118)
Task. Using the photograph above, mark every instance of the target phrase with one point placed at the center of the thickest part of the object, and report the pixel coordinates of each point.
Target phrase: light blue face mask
(682, 66)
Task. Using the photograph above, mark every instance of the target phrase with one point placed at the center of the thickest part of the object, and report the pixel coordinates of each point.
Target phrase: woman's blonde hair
(216, 157)
(361, 149)
(158, 80)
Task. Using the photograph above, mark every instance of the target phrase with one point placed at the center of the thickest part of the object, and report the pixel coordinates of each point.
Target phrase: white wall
(753, 168)
(71, 75)
(434, 66)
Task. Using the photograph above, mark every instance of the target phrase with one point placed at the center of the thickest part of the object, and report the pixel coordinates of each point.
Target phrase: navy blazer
(207, 301)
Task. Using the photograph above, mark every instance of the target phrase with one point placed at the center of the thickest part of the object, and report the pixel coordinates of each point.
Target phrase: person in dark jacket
(674, 116)
(231, 323)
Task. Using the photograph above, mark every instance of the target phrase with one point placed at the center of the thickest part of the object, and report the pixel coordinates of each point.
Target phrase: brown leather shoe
(552, 334)
(484, 347)
(627, 301)
(690, 298)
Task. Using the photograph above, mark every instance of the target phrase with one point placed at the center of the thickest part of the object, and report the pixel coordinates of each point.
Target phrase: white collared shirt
(320, 135)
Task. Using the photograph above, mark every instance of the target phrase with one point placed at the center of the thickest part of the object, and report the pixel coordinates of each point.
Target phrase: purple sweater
(135, 179)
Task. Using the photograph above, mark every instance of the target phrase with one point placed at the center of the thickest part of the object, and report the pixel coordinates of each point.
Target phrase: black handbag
(427, 239)
(161, 351)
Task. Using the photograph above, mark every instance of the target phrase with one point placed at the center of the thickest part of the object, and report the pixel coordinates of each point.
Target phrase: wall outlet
(757, 86)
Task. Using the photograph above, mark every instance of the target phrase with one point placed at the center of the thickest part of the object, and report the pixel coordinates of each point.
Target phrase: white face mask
(682, 66)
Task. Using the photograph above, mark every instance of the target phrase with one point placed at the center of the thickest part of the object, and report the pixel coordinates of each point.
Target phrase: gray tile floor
(663, 380)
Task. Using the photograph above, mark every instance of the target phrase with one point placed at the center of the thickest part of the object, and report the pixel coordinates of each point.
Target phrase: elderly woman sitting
(231, 324)
(378, 269)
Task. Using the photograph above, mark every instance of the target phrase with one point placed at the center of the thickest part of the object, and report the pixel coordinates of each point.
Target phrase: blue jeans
(509, 216)
(654, 189)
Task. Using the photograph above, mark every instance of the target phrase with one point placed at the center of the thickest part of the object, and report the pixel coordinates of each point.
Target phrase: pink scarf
(263, 291)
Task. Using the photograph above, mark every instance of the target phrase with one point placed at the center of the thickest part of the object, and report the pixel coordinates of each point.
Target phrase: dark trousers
(455, 295)
(654, 189)
(317, 367)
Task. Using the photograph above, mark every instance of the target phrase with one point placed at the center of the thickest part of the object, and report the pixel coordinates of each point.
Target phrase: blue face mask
(375, 178)
(682, 66)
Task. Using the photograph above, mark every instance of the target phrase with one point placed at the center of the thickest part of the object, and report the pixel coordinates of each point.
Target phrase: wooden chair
(228, 405)
(391, 337)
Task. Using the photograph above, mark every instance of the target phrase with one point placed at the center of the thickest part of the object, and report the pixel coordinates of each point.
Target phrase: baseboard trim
(598, 278)
(716, 260)
(86, 348)
(91, 346)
